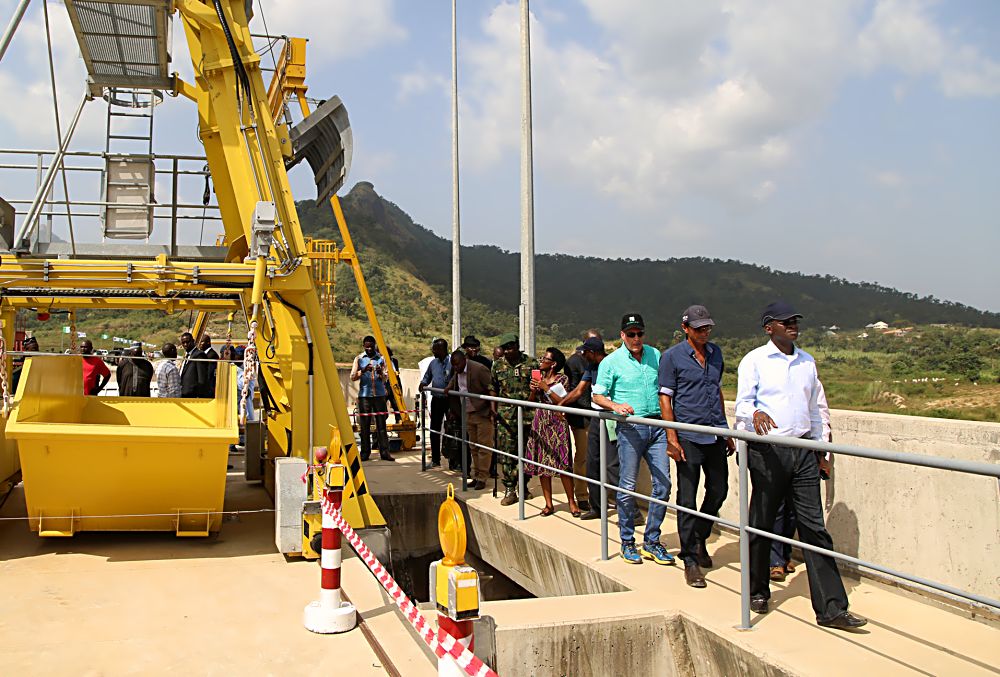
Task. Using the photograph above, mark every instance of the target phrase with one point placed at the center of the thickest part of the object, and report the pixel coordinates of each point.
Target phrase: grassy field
(919, 374)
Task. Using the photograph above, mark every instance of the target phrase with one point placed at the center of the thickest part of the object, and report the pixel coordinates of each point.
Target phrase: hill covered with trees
(385, 236)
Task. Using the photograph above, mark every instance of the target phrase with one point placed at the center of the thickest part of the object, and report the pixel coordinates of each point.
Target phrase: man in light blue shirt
(627, 385)
(438, 375)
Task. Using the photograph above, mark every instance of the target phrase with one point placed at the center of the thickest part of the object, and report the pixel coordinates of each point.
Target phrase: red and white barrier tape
(439, 642)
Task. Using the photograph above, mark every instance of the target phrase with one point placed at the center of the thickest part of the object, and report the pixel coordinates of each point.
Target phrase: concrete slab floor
(905, 635)
(132, 603)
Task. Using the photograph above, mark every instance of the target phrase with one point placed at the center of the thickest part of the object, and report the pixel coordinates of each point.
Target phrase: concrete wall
(940, 525)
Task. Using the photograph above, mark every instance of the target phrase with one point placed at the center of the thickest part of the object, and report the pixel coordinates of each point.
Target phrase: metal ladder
(129, 176)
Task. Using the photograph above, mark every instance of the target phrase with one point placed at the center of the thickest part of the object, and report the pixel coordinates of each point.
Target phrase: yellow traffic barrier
(120, 463)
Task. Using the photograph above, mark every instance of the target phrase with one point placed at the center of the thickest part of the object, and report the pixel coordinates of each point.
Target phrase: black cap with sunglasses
(779, 310)
(632, 320)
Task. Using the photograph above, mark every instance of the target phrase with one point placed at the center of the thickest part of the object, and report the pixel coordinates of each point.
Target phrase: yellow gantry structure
(267, 278)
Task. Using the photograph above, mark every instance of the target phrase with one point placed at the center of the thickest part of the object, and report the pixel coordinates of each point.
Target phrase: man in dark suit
(194, 371)
(205, 345)
(472, 377)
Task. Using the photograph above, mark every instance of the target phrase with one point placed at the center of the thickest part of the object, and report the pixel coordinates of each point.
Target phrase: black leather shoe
(704, 560)
(386, 457)
(478, 485)
(844, 621)
(584, 505)
(758, 605)
(693, 576)
(590, 515)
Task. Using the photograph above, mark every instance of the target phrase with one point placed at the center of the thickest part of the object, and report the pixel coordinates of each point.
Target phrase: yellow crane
(268, 278)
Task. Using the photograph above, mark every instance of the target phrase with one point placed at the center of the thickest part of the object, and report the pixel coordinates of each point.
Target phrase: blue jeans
(637, 441)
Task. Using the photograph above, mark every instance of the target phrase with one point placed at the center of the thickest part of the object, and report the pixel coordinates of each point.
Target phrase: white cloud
(889, 179)
(902, 34)
(709, 97)
(420, 82)
(338, 29)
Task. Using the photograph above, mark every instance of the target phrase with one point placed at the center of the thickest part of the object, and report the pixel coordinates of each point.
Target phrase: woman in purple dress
(548, 442)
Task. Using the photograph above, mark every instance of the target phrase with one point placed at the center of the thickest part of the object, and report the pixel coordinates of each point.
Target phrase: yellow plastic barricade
(120, 463)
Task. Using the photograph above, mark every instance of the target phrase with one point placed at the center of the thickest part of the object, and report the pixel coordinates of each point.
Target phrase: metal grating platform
(125, 43)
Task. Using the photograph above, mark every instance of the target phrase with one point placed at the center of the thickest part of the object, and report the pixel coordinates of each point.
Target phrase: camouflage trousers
(507, 442)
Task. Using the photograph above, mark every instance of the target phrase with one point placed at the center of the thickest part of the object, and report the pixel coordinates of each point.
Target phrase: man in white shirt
(778, 394)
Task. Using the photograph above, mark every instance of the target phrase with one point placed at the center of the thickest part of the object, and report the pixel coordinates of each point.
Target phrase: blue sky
(852, 137)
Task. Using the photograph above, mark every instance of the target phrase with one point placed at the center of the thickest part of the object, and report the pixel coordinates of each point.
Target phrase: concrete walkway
(153, 604)
(906, 634)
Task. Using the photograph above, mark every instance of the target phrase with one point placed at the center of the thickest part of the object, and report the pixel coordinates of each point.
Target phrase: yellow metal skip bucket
(120, 463)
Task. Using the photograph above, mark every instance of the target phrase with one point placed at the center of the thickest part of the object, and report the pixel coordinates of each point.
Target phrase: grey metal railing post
(521, 488)
(604, 485)
(464, 447)
(742, 453)
(422, 398)
(173, 210)
(12, 26)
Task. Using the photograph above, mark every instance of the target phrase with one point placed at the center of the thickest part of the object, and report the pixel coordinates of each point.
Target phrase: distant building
(877, 325)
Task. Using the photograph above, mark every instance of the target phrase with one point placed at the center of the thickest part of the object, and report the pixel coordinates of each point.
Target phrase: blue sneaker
(630, 555)
(657, 553)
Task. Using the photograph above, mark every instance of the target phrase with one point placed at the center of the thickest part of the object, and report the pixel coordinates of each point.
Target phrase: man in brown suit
(472, 377)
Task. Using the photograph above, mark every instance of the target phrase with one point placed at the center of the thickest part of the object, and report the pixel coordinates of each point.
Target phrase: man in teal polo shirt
(627, 385)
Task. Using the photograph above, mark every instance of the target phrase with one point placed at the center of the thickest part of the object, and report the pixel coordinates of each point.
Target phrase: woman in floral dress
(548, 442)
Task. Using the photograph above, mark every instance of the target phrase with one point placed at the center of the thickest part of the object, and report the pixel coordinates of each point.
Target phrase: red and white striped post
(330, 613)
(462, 632)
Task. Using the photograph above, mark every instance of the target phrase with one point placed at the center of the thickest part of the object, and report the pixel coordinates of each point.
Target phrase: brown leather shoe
(693, 576)
(778, 574)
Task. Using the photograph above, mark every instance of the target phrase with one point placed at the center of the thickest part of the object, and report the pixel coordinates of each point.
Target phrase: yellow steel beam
(166, 305)
(243, 151)
(348, 253)
(289, 77)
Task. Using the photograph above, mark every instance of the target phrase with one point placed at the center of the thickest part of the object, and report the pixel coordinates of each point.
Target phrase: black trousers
(784, 525)
(594, 464)
(368, 405)
(439, 407)
(710, 459)
(786, 472)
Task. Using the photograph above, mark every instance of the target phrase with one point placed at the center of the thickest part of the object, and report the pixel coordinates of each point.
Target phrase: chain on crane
(5, 409)
(249, 370)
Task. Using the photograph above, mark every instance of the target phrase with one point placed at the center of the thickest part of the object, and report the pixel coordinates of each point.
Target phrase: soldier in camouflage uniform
(511, 379)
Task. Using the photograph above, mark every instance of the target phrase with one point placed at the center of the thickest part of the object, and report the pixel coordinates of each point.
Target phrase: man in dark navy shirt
(690, 392)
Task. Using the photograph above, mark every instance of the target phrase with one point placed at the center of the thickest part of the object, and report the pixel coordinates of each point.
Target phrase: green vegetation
(949, 371)
(734, 291)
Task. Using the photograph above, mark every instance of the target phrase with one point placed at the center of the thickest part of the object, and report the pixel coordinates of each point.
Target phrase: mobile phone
(536, 374)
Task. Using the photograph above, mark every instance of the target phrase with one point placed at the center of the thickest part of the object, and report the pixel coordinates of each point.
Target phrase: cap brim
(633, 324)
(785, 316)
(704, 322)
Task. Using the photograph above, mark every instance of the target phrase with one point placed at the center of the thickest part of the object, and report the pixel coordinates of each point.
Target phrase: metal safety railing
(166, 213)
(743, 525)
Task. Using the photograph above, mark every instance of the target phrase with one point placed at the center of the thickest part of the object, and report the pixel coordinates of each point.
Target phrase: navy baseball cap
(593, 343)
(632, 320)
(697, 317)
(779, 310)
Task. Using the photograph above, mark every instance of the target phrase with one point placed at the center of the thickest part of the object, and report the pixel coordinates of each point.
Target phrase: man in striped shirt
(168, 378)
